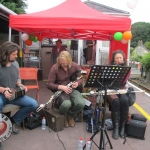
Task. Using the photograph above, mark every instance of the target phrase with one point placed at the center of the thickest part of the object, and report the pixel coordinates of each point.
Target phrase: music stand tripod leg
(103, 127)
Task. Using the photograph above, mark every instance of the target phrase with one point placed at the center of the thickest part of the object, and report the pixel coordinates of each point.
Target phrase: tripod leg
(108, 139)
(102, 141)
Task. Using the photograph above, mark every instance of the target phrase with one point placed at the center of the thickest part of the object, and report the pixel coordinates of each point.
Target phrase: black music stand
(102, 78)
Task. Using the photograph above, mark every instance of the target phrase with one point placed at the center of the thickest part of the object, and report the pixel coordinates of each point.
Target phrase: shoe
(66, 125)
(15, 131)
(71, 121)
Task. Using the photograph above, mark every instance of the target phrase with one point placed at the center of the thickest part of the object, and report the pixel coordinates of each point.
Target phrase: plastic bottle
(88, 144)
(43, 123)
(80, 144)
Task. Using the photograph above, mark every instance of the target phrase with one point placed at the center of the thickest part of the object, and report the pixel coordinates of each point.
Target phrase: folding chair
(28, 74)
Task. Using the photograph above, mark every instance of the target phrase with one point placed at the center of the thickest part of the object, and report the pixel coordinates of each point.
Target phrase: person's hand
(67, 89)
(7, 92)
(25, 88)
(75, 85)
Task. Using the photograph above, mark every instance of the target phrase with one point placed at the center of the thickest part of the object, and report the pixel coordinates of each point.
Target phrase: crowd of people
(71, 102)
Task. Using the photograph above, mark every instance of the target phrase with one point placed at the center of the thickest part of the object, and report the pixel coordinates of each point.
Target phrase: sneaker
(71, 121)
(66, 125)
(15, 131)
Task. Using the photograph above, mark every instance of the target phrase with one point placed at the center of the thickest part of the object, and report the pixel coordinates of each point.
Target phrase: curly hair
(6, 49)
(118, 52)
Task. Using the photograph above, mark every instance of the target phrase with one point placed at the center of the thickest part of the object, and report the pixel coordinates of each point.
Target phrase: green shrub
(146, 61)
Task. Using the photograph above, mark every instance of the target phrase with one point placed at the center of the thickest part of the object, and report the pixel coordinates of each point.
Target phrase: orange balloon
(127, 35)
(28, 42)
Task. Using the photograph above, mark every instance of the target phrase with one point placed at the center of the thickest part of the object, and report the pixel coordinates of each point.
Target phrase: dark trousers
(121, 104)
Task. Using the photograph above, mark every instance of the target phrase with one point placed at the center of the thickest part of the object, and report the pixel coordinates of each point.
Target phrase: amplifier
(55, 121)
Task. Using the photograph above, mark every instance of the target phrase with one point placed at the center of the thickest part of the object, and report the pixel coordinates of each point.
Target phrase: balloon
(40, 38)
(118, 36)
(31, 37)
(131, 3)
(24, 36)
(123, 41)
(36, 39)
(28, 42)
(127, 35)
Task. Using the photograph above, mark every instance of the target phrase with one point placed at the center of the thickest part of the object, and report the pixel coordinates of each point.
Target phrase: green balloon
(118, 36)
(36, 39)
(31, 37)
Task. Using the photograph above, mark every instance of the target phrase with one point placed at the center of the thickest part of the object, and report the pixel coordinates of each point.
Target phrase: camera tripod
(112, 77)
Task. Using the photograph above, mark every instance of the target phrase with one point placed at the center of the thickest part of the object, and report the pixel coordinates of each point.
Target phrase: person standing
(91, 52)
(56, 50)
(70, 102)
(10, 78)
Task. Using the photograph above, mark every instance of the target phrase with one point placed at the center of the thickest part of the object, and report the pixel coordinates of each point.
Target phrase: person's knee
(66, 104)
(33, 103)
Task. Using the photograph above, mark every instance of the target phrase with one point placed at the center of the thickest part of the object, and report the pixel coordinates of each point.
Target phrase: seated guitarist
(70, 102)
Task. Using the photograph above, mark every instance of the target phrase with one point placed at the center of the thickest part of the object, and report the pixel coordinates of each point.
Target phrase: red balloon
(28, 42)
(40, 38)
(127, 35)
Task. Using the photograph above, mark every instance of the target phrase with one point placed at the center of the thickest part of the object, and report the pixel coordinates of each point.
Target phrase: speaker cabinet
(74, 45)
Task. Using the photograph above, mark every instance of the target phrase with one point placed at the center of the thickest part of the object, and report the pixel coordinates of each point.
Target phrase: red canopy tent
(72, 20)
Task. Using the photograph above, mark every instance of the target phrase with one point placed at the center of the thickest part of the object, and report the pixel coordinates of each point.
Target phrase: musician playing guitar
(119, 103)
(70, 102)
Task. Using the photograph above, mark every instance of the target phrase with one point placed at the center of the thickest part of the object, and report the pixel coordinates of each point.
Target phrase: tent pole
(98, 54)
(40, 55)
(128, 57)
(20, 52)
(9, 38)
(80, 46)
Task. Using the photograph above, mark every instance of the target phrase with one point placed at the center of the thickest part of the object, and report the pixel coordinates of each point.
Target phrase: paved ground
(67, 139)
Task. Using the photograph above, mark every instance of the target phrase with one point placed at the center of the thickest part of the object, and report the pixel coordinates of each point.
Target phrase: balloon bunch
(30, 38)
(123, 37)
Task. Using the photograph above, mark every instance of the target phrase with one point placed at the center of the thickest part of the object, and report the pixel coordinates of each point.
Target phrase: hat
(59, 40)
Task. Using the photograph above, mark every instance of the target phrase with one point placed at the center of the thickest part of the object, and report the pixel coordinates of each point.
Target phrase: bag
(58, 101)
(33, 121)
(136, 128)
(138, 117)
(131, 96)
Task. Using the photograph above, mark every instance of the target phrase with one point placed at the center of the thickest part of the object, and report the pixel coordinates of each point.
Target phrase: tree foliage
(135, 57)
(147, 45)
(17, 6)
(140, 31)
(146, 61)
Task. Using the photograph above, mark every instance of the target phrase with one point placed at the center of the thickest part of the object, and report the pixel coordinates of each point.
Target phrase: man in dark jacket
(56, 50)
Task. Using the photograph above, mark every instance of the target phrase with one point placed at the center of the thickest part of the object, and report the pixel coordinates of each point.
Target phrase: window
(105, 43)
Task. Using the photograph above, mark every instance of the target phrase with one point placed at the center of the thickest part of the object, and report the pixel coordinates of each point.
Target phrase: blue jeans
(27, 104)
